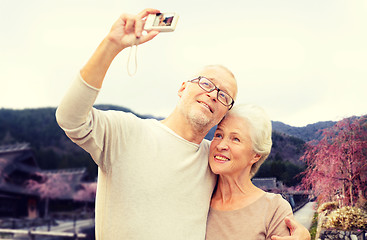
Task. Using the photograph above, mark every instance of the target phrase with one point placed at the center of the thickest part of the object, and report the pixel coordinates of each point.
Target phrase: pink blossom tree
(51, 186)
(87, 193)
(337, 164)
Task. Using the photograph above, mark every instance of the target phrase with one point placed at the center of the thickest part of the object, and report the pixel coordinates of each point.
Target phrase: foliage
(313, 228)
(51, 186)
(38, 127)
(307, 133)
(284, 171)
(337, 165)
(328, 207)
(346, 218)
(286, 148)
(283, 161)
(363, 204)
(87, 193)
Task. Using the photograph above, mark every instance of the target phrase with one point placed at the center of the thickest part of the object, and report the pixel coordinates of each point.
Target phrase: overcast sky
(303, 61)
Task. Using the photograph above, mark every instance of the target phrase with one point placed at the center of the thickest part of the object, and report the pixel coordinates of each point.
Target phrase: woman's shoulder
(273, 196)
(276, 200)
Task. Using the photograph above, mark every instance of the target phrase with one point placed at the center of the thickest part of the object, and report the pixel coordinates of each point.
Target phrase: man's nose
(213, 95)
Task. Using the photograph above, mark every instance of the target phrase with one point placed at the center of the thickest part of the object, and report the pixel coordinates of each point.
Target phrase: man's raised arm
(78, 101)
(125, 32)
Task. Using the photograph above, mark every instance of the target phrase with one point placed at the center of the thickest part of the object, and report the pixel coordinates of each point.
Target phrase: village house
(25, 188)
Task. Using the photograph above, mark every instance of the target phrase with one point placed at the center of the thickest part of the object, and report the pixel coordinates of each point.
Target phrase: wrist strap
(133, 45)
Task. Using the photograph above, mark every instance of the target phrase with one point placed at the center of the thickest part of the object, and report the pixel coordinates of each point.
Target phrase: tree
(51, 186)
(337, 164)
(87, 193)
(284, 171)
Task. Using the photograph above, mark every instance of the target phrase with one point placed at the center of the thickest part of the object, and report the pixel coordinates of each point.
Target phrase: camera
(163, 22)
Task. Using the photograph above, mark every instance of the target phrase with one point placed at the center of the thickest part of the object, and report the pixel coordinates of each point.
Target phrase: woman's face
(231, 150)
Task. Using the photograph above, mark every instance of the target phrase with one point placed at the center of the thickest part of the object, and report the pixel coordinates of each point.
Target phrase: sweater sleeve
(76, 105)
(281, 209)
(77, 117)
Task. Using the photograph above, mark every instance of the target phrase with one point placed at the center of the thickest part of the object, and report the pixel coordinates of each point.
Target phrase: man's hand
(129, 28)
(297, 230)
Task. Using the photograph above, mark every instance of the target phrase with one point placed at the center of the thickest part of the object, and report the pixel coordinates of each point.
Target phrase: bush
(346, 218)
(328, 206)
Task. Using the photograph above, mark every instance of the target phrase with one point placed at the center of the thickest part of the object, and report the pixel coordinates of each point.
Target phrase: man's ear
(182, 89)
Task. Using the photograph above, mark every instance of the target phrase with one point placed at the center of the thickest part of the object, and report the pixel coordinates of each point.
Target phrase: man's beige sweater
(152, 184)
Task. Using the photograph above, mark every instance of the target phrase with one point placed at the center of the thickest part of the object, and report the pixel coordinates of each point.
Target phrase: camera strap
(133, 45)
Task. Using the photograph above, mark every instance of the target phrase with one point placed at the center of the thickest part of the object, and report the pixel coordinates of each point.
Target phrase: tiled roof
(265, 183)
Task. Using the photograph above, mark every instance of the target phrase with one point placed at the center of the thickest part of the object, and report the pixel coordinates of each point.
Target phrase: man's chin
(201, 120)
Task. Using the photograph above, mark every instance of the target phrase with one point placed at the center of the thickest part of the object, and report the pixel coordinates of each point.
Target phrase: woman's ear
(182, 88)
(256, 158)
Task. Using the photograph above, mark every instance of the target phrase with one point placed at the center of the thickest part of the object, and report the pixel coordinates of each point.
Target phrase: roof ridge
(14, 147)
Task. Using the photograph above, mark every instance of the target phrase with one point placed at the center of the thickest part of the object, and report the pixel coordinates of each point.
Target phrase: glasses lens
(206, 84)
(224, 98)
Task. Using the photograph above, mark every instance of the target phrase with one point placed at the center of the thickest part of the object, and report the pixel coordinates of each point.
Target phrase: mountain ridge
(306, 133)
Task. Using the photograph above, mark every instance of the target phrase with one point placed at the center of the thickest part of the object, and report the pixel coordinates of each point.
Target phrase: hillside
(39, 128)
(307, 133)
(54, 150)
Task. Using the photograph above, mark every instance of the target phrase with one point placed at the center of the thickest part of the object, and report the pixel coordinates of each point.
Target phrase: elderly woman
(239, 209)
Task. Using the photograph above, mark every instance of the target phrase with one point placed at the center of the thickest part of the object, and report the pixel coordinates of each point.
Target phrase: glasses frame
(197, 80)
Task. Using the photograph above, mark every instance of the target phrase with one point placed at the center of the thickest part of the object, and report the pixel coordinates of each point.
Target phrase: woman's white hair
(260, 130)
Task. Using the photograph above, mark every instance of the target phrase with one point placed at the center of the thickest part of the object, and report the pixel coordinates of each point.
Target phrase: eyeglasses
(209, 86)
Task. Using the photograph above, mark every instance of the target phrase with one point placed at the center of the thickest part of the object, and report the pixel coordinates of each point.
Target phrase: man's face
(202, 108)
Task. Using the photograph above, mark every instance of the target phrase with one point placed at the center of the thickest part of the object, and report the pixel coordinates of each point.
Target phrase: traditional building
(17, 165)
(268, 184)
(24, 187)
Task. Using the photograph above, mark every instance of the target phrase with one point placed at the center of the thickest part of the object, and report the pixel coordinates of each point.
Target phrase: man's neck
(185, 129)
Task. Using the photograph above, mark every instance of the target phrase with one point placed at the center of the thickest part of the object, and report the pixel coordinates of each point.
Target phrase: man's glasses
(209, 86)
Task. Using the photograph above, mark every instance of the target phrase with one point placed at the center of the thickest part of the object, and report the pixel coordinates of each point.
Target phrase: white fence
(33, 233)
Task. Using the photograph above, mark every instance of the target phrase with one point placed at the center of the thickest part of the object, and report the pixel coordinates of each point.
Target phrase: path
(305, 214)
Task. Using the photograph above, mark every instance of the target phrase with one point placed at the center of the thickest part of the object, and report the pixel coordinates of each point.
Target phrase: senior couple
(154, 180)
